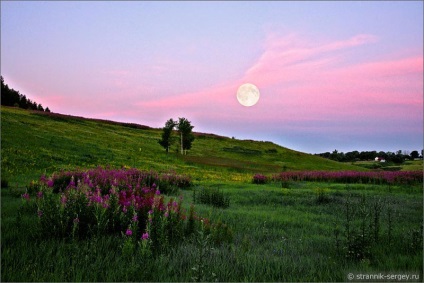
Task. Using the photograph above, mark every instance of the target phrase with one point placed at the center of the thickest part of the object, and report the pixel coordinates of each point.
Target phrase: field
(282, 230)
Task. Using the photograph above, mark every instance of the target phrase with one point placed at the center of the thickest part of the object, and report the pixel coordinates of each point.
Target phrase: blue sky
(332, 75)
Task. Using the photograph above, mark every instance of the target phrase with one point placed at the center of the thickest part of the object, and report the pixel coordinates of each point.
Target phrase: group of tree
(11, 97)
(395, 157)
(185, 135)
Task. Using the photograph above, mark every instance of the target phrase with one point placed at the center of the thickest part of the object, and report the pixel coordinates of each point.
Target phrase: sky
(331, 75)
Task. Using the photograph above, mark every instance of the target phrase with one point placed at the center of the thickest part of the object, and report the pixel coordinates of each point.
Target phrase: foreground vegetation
(56, 227)
(309, 232)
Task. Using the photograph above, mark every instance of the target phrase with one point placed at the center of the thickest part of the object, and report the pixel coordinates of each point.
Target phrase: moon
(248, 94)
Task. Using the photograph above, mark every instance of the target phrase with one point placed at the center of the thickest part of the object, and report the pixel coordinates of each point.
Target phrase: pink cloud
(311, 81)
(304, 85)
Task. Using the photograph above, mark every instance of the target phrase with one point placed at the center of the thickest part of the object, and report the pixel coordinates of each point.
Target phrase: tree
(166, 140)
(185, 128)
(415, 154)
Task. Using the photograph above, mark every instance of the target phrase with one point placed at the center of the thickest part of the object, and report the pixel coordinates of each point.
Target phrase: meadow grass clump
(211, 196)
(321, 196)
(366, 237)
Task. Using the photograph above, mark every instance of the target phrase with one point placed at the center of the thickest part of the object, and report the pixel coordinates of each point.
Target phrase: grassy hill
(33, 143)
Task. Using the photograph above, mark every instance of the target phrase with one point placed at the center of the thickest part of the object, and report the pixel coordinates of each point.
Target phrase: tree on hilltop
(184, 129)
(166, 140)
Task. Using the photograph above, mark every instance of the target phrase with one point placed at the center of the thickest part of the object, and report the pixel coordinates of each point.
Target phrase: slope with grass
(34, 143)
(307, 231)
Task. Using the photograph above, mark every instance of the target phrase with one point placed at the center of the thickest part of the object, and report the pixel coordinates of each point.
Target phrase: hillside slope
(33, 143)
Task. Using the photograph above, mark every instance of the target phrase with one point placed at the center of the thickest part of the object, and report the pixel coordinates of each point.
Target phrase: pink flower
(63, 199)
(128, 232)
(145, 236)
(39, 213)
(50, 183)
(40, 194)
(25, 196)
(135, 218)
(157, 192)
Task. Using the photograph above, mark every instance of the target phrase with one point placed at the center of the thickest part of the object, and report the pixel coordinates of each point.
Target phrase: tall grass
(279, 235)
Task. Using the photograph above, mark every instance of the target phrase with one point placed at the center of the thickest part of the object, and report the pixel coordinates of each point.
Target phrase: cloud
(305, 86)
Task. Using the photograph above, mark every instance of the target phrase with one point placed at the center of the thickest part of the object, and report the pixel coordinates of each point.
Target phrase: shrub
(211, 196)
(102, 201)
(259, 179)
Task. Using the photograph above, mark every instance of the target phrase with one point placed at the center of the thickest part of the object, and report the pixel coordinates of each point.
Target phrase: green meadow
(293, 231)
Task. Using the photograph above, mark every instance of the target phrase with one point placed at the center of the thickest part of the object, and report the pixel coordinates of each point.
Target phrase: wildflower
(39, 213)
(128, 232)
(76, 220)
(145, 236)
(40, 194)
(50, 183)
(124, 209)
(63, 199)
(25, 196)
(157, 192)
(135, 218)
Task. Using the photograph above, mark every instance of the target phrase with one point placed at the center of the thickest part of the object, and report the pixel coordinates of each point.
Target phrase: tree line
(185, 136)
(11, 97)
(395, 157)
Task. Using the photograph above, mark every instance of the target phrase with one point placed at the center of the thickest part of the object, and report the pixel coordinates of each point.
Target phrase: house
(380, 159)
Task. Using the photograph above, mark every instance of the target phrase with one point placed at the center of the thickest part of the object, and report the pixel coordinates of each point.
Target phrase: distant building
(380, 159)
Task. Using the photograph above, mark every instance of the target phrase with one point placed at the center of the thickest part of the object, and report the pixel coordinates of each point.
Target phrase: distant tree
(415, 154)
(166, 140)
(47, 110)
(11, 97)
(185, 128)
(352, 156)
(334, 155)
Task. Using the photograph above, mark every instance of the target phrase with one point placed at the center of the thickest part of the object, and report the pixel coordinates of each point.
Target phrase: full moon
(248, 94)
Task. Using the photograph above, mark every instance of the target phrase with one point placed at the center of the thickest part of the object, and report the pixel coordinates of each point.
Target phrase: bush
(259, 179)
(102, 201)
(214, 197)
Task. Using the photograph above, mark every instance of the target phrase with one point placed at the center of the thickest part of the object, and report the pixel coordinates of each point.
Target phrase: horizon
(349, 78)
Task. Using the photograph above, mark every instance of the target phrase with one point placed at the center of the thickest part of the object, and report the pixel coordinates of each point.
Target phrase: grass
(280, 234)
(34, 143)
(408, 165)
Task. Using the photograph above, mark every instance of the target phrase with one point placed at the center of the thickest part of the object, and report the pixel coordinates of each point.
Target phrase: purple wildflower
(63, 199)
(128, 232)
(25, 196)
(145, 236)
